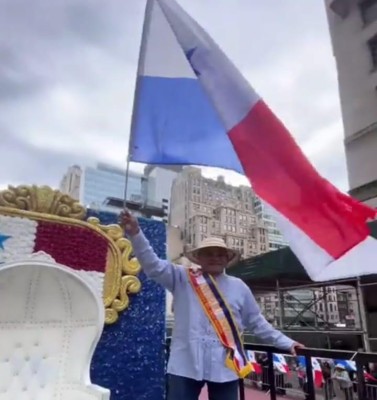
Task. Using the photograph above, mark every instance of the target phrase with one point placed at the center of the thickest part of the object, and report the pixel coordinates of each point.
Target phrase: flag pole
(140, 66)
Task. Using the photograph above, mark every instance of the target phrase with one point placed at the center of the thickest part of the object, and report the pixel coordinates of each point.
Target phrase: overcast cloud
(67, 73)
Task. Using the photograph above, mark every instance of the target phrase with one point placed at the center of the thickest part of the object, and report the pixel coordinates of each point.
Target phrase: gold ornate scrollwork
(44, 203)
(130, 265)
(42, 200)
(129, 284)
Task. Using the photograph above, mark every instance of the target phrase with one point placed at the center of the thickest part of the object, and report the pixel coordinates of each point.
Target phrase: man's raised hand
(129, 223)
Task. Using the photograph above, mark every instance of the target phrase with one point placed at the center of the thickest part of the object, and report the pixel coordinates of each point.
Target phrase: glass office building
(104, 181)
(275, 237)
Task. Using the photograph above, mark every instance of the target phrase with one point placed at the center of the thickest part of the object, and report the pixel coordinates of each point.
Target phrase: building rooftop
(117, 170)
(150, 209)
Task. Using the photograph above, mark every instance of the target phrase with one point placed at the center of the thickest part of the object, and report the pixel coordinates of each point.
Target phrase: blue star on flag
(189, 55)
(3, 238)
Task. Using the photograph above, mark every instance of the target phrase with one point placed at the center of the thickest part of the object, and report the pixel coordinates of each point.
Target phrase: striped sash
(221, 318)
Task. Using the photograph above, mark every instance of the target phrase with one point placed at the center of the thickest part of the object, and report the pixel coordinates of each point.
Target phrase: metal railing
(274, 384)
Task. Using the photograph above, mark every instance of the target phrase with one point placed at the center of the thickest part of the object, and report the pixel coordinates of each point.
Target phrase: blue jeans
(181, 388)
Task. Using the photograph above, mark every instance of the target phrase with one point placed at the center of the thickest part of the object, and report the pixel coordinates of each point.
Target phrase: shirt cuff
(138, 241)
(285, 343)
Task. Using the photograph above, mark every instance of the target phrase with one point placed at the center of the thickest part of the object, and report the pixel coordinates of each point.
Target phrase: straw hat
(213, 242)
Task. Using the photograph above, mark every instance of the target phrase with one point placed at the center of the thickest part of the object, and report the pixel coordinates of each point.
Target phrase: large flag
(193, 107)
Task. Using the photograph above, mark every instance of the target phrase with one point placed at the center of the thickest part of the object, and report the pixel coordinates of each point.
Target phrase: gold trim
(130, 284)
(46, 204)
(43, 200)
(130, 265)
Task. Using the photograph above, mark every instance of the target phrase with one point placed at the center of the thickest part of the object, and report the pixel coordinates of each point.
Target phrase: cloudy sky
(67, 73)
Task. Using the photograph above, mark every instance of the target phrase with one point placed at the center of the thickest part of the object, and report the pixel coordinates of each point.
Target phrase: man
(210, 309)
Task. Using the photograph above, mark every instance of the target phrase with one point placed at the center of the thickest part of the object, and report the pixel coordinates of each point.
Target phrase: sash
(221, 318)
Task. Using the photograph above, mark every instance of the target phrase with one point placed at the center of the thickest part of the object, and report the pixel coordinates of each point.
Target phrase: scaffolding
(334, 315)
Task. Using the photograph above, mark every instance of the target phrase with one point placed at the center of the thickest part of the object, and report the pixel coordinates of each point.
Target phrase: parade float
(79, 320)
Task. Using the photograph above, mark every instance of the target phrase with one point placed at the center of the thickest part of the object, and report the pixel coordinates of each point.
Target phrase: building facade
(159, 181)
(348, 307)
(353, 30)
(92, 186)
(71, 182)
(326, 306)
(102, 187)
(275, 238)
(203, 207)
(104, 181)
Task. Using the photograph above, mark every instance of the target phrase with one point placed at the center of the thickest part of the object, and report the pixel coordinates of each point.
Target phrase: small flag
(256, 366)
(280, 363)
(317, 370)
(369, 378)
(197, 108)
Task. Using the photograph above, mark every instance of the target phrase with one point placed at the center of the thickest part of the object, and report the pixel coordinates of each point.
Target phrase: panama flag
(317, 370)
(280, 363)
(193, 107)
(347, 364)
(76, 247)
(350, 365)
(256, 366)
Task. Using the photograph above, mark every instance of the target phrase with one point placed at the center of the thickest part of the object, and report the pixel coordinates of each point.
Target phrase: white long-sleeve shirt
(196, 351)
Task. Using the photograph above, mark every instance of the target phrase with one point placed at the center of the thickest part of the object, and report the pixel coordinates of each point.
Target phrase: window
(368, 9)
(373, 50)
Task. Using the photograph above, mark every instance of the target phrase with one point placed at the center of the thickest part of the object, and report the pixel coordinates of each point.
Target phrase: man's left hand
(296, 346)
